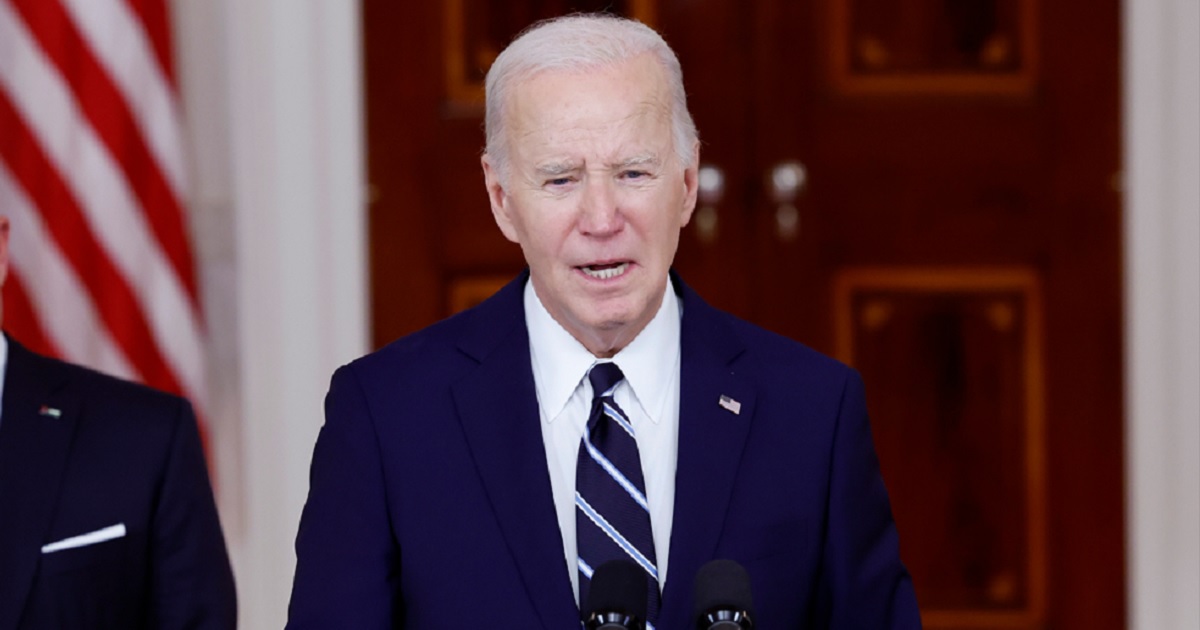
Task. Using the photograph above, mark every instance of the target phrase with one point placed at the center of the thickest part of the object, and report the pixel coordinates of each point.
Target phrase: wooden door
(923, 188)
(434, 246)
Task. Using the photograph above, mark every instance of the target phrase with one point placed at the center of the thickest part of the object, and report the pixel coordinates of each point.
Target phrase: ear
(691, 185)
(501, 211)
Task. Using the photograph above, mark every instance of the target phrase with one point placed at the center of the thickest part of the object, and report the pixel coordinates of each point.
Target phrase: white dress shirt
(3, 370)
(649, 395)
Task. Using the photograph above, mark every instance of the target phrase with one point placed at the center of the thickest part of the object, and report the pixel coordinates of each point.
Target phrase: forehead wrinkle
(643, 155)
(546, 128)
(540, 129)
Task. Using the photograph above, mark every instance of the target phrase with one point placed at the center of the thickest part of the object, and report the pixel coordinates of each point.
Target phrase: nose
(600, 213)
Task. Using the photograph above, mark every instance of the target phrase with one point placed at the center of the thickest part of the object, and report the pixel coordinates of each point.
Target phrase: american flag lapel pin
(730, 405)
(50, 412)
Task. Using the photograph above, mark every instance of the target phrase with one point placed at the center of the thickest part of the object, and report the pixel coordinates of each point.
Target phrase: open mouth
(605, 271)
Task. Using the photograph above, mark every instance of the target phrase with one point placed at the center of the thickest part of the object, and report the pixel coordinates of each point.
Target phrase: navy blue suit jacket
(81, 452)
(430, 503)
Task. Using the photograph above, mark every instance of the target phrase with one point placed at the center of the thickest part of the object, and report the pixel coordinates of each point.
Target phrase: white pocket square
(90, 538)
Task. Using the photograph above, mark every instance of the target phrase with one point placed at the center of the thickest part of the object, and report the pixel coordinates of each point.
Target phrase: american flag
(92, 180)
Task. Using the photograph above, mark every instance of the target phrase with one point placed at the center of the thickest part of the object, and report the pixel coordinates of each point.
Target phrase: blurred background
(990, 208)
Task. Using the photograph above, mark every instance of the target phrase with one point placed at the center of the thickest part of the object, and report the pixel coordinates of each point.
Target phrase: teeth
(605, 274)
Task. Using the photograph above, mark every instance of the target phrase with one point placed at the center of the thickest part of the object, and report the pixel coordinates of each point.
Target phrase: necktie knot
(603, 377)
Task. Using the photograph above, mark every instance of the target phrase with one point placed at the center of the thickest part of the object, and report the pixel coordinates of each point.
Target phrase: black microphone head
(618, 588)
(723, 591)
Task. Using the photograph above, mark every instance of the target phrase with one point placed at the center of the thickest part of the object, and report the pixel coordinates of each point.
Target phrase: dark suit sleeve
(865, 585)
(192, 584)
(347, 563)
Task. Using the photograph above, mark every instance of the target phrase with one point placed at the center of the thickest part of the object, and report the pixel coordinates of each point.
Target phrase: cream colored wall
(1162, 307)
(272, 93)
(272, 90)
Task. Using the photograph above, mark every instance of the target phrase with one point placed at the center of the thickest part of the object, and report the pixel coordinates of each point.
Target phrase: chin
(607, 315)
(610, 324)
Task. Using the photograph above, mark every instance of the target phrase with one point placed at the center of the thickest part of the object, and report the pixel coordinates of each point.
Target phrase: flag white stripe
(119, 42)
(67, 315)
(105, 198)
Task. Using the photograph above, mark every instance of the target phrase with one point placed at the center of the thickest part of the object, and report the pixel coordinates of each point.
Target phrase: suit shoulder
(416, 351)
(768, 346)
(97, 386)
(121, 411)
(443, 349)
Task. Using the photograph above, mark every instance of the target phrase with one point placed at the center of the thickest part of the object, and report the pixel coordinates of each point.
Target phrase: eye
(635, 174)
(558, 182)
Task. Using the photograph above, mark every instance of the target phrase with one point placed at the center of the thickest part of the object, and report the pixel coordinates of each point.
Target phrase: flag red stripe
(21, 321)
(114, 123)
(115, 301)
(154, 18)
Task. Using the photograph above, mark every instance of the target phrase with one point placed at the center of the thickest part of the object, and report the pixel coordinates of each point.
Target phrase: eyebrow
(558, 169)
(554, 169)
(647, 159)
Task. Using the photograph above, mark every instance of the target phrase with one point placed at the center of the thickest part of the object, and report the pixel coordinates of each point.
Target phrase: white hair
(581, 42)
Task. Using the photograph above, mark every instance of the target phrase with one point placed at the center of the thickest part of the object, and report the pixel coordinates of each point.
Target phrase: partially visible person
(475, 473)
(107, 518)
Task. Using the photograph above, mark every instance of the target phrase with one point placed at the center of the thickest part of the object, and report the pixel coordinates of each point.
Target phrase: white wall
(1162, 308)
(272, 90)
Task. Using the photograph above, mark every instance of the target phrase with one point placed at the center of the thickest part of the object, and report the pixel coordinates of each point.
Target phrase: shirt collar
(560, 362)
(3, 366)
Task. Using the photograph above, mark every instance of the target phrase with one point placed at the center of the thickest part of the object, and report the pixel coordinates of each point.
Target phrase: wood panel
(962, 47)
(958, 411)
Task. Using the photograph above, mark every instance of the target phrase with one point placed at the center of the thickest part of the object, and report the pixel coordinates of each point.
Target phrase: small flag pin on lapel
(49, 411)
(730, 405)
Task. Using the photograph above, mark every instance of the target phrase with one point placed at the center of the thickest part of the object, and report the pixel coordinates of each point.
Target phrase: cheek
(669, 220)
(545, 235)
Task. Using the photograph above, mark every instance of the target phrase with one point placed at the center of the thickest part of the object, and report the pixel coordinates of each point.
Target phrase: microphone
(617, 597)
(723, 600)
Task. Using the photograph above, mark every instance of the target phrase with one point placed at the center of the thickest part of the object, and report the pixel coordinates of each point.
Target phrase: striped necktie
(612, 518)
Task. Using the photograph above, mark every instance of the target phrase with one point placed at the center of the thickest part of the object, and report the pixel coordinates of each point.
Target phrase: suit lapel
(36, 428)
(711, 440)
(497, 406)
(506, 443)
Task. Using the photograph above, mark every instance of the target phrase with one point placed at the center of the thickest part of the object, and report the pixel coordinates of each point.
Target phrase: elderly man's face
(596, 196)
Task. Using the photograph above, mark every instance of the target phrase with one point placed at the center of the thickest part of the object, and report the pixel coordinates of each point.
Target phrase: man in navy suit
(107, 518)
(443, 484)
